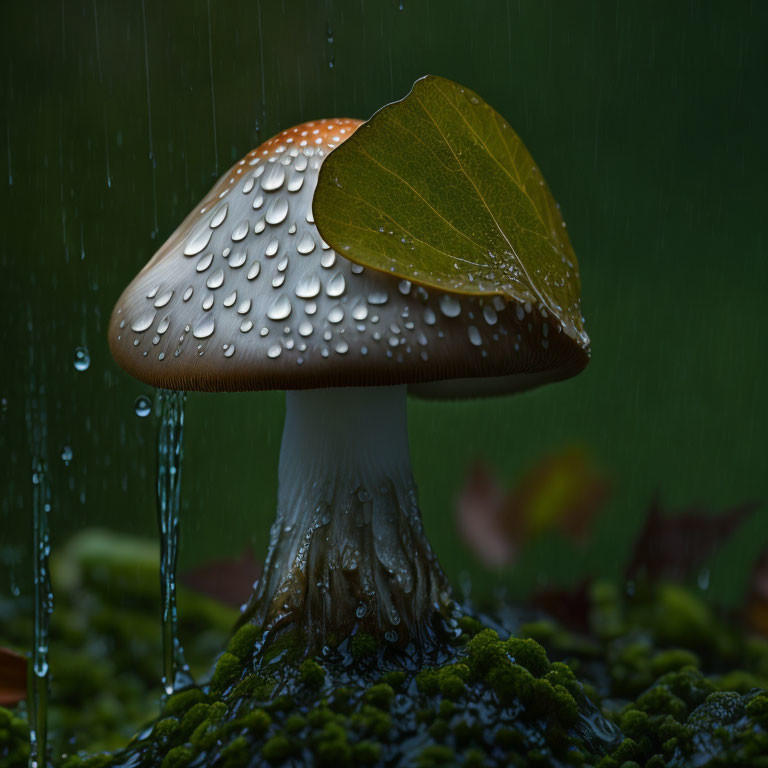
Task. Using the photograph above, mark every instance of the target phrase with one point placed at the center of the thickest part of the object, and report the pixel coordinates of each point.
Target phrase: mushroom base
(347, 553)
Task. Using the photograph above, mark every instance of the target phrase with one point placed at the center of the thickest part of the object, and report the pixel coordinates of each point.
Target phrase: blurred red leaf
(481, 511)
(756, 607)
(228, 580)
(562, 492)
(13, 678)
(569, 606)
(676, 547)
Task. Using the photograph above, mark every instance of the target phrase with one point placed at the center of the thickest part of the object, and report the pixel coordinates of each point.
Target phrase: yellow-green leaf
(438, 189)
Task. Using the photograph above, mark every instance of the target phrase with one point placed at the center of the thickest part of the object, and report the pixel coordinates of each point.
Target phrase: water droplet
(272, 247)
(82, 360)
(198, 240)
(241, 230)
(360, 311)
(328, 259)
(66, 455)
(429, 316)
(142, 406)
(306, 244)
(231, 299)
(254, 270)
(308, 286)
(378, 297)
(336, 314)
(273, 177)
(244, 307)
(489, 313)
(404, 286)
(280, 308)
(246, 326)
(143, 321)
(219, 216)
(204, 328)
(295, 184)
(305, 328)
(229, 351)
(274, 351)
(163, 298)
(336, 285)
(277, 211)
(208, 302)
(204, 263)
(238, 259)
(215, 279)
(342, 347)
(450, 305)
(474, 336)
(188, 293)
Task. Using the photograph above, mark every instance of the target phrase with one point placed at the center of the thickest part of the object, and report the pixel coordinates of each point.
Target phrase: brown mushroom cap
(246, 295)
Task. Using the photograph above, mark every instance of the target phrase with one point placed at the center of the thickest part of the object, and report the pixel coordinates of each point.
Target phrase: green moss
(257, 721)
(380, 695)
(192, 719)
(634, 723)
(661, 701)
(178, 757)
(243, 641)
(371, 721)
(166, 729)
(474, 758)
(362, 645)
(486, 651)
(511, 682)
(288, 648)
(439, 729)
(178, 703)
(395, 678)
(435, 755)
(311, 674)
(529, 654)
(277, 749)
(427, 681)
(235, 754)
(254, 687)
(757, 709)
(228, 670)
(366, 753)
(320, 715)
(331, 747)
(295, 723)
(673, 660)
(470, 626)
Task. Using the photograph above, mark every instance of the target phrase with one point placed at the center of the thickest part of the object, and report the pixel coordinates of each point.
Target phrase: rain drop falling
(82, 360)
(142, 406)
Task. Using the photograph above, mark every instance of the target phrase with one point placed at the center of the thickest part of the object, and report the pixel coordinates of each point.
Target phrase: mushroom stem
(348, 552)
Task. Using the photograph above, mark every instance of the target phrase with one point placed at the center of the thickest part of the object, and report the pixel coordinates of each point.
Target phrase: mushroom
(245, 295)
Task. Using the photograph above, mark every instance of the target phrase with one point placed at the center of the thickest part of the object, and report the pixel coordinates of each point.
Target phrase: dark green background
(648, 120)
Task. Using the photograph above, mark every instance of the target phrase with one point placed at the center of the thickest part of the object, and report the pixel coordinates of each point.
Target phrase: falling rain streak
(37, 694)
(169, 457)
